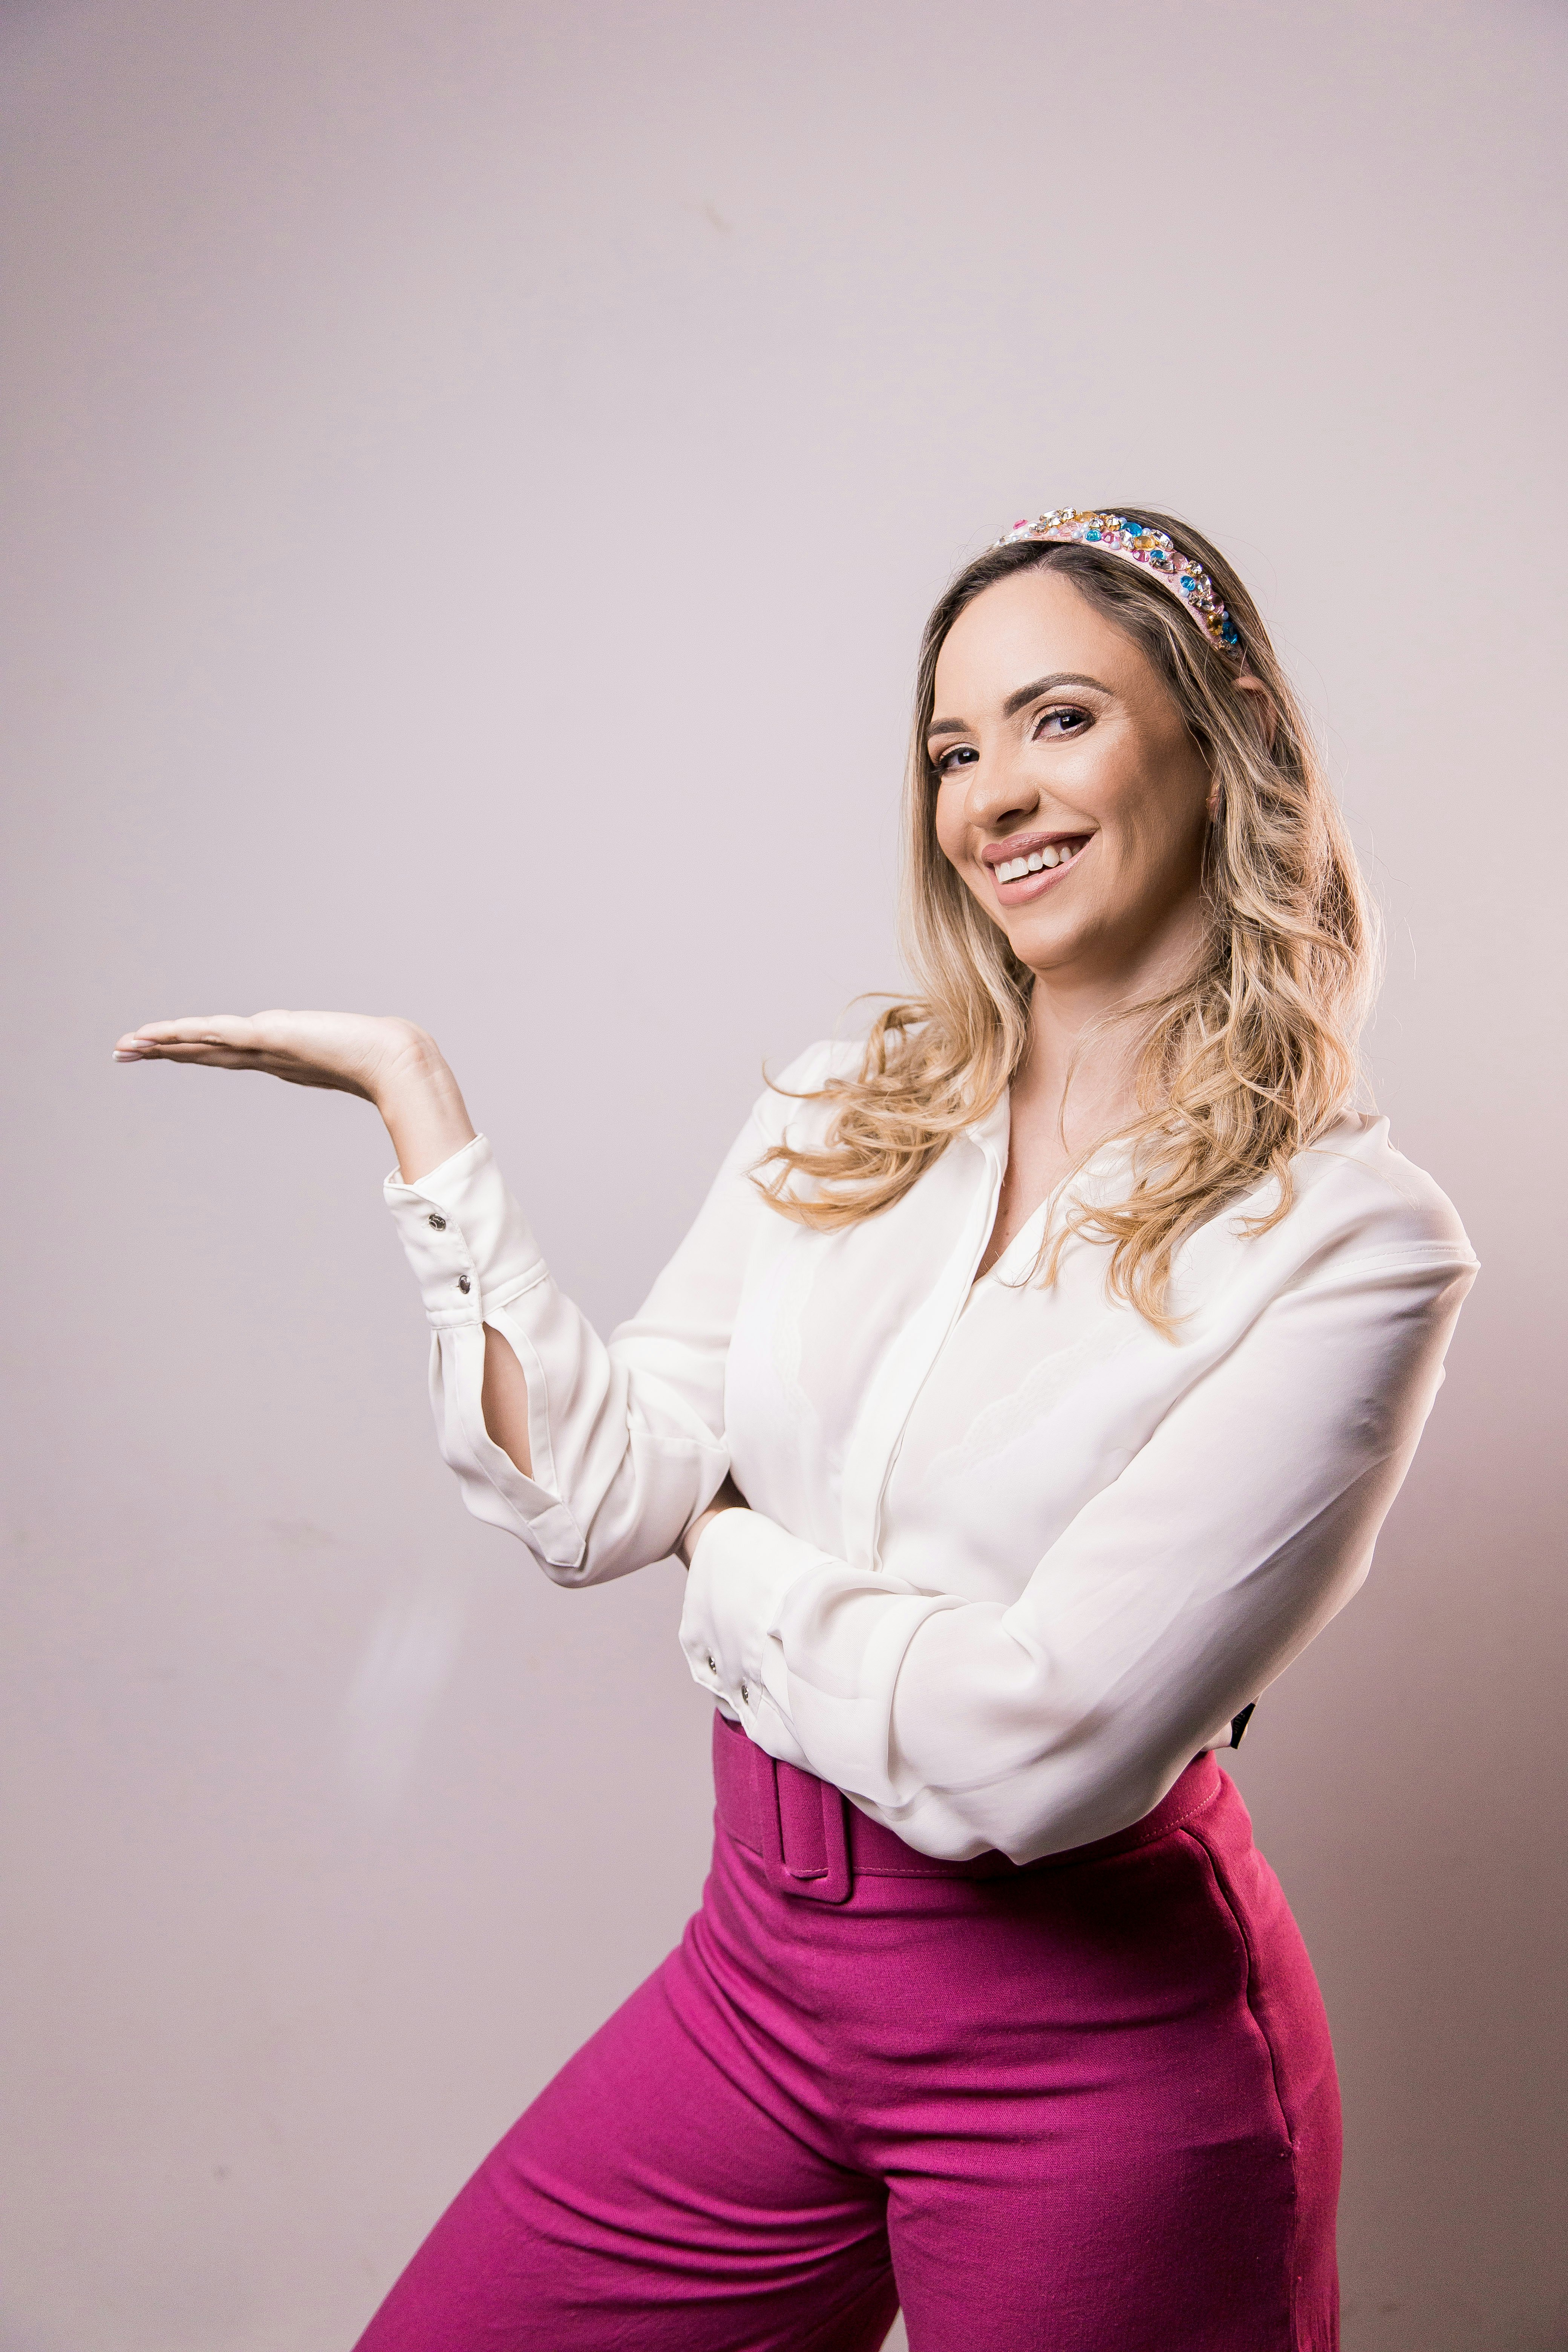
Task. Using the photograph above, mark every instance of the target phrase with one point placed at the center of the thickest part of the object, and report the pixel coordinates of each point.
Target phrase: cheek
(948, 821)
(1153, 820)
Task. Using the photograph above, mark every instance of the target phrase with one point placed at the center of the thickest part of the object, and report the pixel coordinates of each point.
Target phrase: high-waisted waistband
(816, 1844)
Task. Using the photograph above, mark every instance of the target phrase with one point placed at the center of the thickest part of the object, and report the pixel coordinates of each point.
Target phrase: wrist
(699, 1525)
(422, 1108)
(411, 1068)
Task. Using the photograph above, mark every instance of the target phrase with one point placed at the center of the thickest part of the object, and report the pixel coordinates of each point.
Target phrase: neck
(1080, 1068)
(1075, 1084)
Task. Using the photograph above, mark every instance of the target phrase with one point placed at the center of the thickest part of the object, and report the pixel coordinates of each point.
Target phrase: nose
(999, 793)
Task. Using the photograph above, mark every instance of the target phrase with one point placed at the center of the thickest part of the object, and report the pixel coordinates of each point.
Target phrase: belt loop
(835, 1883)
(832, 1881)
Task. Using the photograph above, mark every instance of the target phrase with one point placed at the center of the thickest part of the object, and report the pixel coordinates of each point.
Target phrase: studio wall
(473, 477)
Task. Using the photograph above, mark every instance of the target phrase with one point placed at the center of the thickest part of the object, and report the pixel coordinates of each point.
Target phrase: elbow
(1072, 1792)
(1056, 1815)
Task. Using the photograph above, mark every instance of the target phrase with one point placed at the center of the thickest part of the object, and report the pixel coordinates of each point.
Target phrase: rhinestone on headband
(1152, 549)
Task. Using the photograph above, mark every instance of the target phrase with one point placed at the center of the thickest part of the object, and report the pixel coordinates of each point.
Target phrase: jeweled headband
(1152, 549)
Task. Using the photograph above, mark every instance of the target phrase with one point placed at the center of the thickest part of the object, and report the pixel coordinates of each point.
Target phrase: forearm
(943, 1716)
(623, 1441)
(553, 1435)
(427, 1121)
(503, 1400)
(1170, 1598)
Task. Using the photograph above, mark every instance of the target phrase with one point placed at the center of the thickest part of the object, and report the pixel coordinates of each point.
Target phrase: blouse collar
(991, 1133)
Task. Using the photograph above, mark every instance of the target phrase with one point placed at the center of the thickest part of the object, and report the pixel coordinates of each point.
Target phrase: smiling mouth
(1049, 860)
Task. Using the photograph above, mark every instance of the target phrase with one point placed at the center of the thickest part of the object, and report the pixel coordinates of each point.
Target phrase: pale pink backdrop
(474, 474)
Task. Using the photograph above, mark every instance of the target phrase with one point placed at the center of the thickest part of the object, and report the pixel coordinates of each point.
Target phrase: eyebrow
(1020, 700)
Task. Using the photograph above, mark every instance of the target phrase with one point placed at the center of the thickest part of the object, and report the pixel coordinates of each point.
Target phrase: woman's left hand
(728, 1499)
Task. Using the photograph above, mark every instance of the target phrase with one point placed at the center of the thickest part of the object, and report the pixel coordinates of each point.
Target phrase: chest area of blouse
(831, 1325)
(877, 1404)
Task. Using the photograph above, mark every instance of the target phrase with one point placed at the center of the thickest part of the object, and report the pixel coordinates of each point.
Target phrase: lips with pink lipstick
(1027, 863)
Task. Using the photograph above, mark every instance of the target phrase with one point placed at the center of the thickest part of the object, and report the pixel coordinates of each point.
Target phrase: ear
(1264, 715)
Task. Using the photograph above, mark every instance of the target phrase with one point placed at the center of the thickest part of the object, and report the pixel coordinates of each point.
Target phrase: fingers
(213, 1057)
(228, 1040)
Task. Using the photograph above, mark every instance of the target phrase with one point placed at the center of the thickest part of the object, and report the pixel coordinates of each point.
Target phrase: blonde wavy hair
(1242, 1065)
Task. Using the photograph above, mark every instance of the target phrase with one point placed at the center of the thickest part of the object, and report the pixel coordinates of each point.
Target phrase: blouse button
(745, 1695)
(463, 1283)
(438, 1222)
(712, 1664)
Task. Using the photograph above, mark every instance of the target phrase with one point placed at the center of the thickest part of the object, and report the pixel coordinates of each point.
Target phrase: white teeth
(1013, 869)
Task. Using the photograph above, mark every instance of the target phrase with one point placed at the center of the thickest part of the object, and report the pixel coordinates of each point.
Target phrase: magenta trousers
(1088, 2105)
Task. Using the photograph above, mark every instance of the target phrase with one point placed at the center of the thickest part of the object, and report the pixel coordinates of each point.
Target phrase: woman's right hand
(389, 1062)
(355, 1052)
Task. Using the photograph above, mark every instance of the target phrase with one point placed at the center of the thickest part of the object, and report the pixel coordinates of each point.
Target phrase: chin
(1044, 944)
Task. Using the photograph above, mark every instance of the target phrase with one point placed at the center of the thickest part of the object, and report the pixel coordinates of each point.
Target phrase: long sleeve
(1178, 1591)
(626, 1436)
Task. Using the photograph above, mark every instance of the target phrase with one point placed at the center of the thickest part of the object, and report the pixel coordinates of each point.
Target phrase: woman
(1029, 1391)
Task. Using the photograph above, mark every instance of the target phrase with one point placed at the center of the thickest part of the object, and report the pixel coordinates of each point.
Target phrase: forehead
(1024, 627)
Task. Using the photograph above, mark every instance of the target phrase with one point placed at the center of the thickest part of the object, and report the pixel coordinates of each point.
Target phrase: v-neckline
(1031, 1230)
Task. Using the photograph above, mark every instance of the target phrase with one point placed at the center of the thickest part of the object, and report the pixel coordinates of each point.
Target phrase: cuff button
(437, 1222)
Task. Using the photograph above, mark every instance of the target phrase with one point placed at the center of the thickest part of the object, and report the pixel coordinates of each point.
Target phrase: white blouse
(1012, 1556)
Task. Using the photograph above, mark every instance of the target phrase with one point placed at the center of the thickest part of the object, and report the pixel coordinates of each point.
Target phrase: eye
(947, 763)
(1061, 719)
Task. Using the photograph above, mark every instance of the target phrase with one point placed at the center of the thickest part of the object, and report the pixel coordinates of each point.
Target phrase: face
(1072, 798)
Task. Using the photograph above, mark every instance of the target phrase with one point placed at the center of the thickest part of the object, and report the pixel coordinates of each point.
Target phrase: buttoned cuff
(465, 1238)
(743, 1566)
